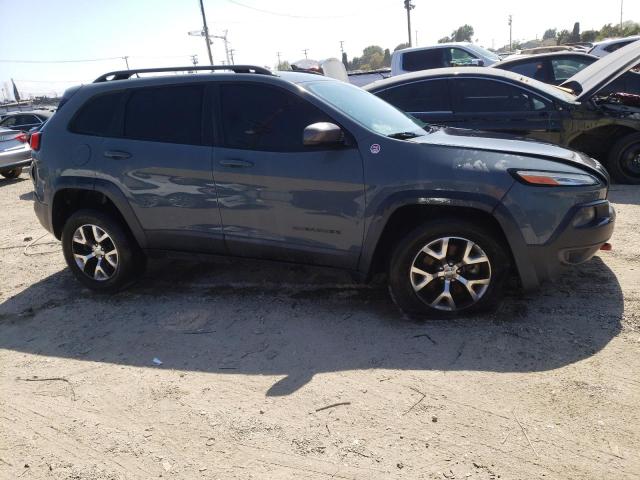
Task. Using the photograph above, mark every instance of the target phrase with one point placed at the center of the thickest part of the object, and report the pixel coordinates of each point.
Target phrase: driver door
(278, 198)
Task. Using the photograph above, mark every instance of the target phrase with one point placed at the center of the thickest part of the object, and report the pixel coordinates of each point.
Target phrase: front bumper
(15, 157)
(585, 229)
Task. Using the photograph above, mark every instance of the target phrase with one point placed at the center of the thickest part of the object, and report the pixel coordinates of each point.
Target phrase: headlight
(554, 179)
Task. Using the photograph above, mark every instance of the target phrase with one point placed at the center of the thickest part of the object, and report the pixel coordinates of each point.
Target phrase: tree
(444, 40)
(589, 36)
(345, 60)
(284, 65)
(550, 33)
(563, 37)
(401, 47)
(387, 58)
(575, 34)
(463, 34)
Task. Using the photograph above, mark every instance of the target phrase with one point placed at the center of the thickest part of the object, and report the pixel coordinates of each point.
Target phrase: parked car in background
(557, 68)
(580, 116)
(15, 153)
(610, 45)
(304, 168)
(24, 121)
(439, 56)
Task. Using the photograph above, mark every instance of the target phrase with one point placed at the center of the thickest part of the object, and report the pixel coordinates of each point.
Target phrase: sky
(155, 32)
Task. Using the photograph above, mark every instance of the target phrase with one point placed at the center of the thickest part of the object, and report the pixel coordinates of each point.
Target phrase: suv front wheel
(447, 267)
(100, 252)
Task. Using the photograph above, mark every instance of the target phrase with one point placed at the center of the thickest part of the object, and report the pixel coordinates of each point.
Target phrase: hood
(588, 81)
(500, 143)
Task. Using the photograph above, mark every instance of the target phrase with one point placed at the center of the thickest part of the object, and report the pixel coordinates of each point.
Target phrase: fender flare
(113, 193)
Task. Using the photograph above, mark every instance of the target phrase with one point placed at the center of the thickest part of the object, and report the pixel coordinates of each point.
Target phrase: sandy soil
(287, 372)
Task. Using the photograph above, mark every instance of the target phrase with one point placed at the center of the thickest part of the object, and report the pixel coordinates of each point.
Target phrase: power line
(93, 59)
(279, 14)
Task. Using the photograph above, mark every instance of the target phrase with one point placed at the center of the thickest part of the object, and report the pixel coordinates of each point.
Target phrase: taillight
(34, 143)
(22, 138)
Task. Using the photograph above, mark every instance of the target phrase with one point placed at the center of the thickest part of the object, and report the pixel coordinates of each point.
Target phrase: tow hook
(606, 247)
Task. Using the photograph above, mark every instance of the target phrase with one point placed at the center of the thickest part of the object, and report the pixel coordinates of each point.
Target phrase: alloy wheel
(95, 252)
(450, 273)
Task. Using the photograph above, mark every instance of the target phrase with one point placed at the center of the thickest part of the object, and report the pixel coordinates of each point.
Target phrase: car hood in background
(507, 144)
(588, 81)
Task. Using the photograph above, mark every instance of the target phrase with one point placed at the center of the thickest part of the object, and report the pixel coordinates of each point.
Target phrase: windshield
(484, 52)
(365, 108)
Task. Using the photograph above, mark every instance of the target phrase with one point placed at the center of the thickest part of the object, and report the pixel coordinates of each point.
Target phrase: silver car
(15, 152)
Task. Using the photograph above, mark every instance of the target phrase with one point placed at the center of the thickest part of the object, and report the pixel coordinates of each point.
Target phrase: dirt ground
(287, 372)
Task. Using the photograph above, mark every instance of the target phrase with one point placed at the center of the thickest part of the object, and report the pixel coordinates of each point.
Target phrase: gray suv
(302, 168)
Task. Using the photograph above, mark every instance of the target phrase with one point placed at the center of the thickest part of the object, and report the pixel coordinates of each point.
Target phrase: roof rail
(125, 74)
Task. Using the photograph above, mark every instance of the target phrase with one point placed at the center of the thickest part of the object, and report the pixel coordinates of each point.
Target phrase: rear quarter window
(423, 60)
(98, 115)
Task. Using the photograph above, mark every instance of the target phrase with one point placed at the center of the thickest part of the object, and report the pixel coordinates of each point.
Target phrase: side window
(260, 117)
(8, 122)
(534, 69)
(460, 57)
(429, 96)
(423, 60)
(616, 46)
(475, 95)
(566, 68)
(97, 116)
(165, 114)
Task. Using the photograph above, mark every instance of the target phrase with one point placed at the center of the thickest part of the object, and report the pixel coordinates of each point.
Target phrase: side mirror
(322, 133)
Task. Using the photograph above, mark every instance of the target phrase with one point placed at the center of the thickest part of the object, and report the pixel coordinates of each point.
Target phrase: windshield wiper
(404, 135)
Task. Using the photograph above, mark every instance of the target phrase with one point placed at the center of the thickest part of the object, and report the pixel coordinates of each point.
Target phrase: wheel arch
(74, 194)
(407, 216)
(597, 142)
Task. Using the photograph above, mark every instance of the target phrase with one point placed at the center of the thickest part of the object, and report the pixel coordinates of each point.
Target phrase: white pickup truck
(440, 56)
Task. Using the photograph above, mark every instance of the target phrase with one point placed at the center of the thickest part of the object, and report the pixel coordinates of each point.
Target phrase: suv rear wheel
(447, 267)
(13, 173)
(100, 252)
(624, 160)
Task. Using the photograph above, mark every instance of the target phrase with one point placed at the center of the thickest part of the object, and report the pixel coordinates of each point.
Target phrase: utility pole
(205, 30)
(342, 47)
(416, 38)
(621, 7)
(510, 32)
(409, 6)
(126, 61)
(231, 50)
(279, 61)
(194, 59)
(305, 50)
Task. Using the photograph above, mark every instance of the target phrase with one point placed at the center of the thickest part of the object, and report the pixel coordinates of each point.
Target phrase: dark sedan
(604, 126)
(558, 67)
(24, 121)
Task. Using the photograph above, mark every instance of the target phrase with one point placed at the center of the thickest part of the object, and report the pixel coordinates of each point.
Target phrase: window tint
(458, 57)
(615, 46)
(97, 116)
(259, 117)
(8, 122)
(423, 60)
(475, 95)
(431, 96)
(534, 69)
(165, 114)
(567, 67)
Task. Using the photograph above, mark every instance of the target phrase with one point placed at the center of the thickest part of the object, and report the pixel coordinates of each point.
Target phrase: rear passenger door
(280, 199)
(427, 100)
(160, 156)
(487, 104)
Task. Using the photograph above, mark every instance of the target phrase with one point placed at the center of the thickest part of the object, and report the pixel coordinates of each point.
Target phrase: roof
(524, 57)
(437, 45)
(439, 72)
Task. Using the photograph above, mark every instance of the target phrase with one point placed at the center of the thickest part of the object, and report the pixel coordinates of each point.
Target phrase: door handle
(236, 163)
(116, 154)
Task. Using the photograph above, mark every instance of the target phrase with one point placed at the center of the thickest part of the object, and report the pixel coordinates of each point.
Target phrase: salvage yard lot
(253, 354)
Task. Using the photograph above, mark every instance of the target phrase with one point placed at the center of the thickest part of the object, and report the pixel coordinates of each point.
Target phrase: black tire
(130, 260)
(409, 250)
(13, 173)
(624, 160)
